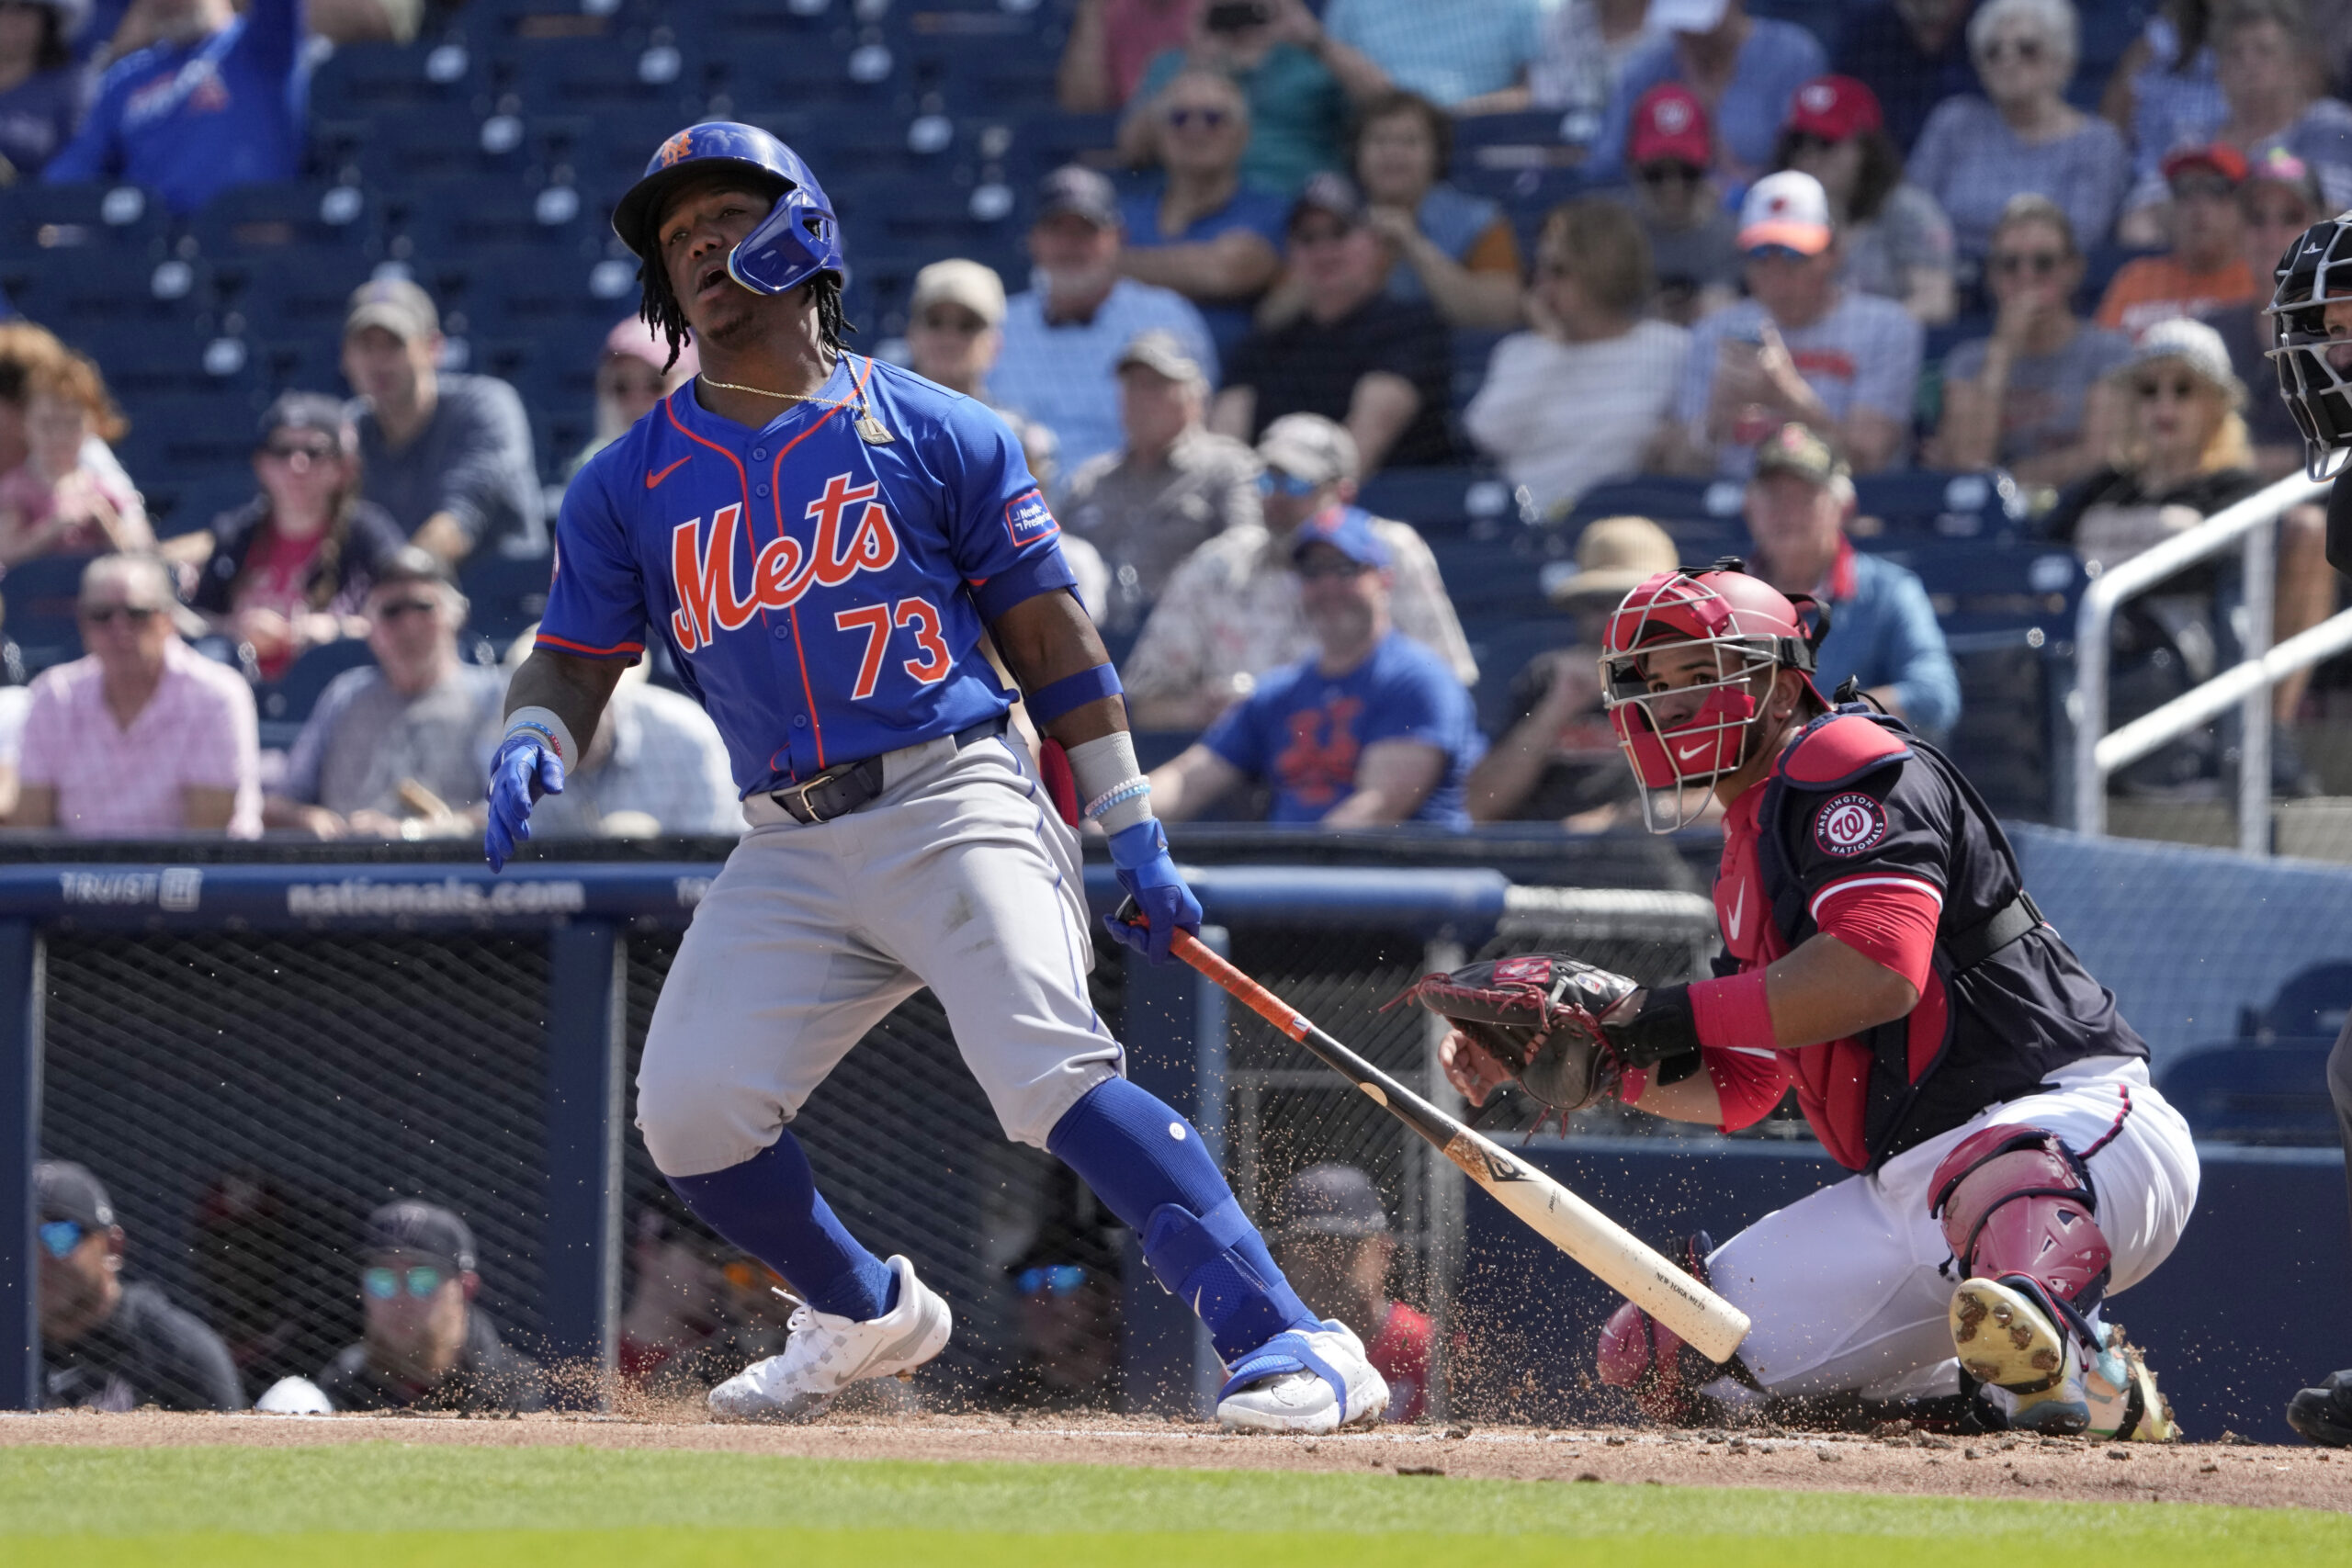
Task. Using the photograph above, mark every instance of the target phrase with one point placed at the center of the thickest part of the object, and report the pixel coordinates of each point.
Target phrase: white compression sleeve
(1104, 767)
(545, 724)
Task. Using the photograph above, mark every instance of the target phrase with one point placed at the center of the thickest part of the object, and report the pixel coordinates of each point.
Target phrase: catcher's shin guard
(1661, 1369)
(2016, 1199)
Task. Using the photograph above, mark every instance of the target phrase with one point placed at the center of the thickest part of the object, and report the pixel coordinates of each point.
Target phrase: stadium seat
(37, 600)
(1951, 507)
(183, 504)
(287, 703)
(261, 220)
(508, 593)
(1492, 579)
(79, 217)
(1444, 501)
(594, 75)
(2241, 1092)
(2314, 1002)
(299, 292)
(421, 80)
(457, 217)
(1502, 649)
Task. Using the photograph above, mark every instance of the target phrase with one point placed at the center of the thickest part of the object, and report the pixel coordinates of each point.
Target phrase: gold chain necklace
(870, 430)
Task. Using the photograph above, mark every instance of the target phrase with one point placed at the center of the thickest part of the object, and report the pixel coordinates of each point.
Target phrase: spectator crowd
(1927, 236)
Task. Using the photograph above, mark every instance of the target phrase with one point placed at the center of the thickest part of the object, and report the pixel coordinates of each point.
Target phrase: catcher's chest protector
(1858, 792)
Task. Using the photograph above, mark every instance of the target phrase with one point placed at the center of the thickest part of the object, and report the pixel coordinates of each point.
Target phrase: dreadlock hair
(659, 309)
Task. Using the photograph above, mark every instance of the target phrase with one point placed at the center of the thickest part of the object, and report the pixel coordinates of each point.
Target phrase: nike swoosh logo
(1739, 911)
(1687, 753)
(655, 479)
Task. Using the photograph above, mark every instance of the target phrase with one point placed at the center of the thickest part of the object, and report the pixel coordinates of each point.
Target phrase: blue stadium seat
(2314, 1002)
(117, 286)
(260, 219)
(182, 503)
(390, 81)
(518, 292)
(1953, 506)
(1443, 501)
(285, 703)
(1043, 140)
(189, 436)
(301, 292)
(1502, 649)
(460, 216)
(80, 217)
(2238, 1091)
(593, 76)
(402, 153)
(1492, 579)
(508, 593)
(37, 600)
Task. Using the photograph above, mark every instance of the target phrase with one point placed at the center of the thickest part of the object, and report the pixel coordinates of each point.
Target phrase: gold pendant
(870, 431)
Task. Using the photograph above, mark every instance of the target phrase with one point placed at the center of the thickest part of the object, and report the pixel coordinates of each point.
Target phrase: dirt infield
(2246, 1475)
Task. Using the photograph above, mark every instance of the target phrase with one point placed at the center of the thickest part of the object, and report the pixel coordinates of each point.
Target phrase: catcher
(2013, 1166)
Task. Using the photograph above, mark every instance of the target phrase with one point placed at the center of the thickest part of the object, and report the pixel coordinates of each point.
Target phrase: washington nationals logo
(1848, 824)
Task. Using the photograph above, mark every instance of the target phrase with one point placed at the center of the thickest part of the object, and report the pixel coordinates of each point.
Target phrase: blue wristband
(1055, 698)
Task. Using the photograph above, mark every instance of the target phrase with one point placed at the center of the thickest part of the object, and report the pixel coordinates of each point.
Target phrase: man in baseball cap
(1370, 730)
(1063, 336)
(2205, 269)
(633, 375)
(1802, 347)
(106, 1345)
(1883, 630)
(449, 456)
(1693, 240)
(1332, 1238)
(1558, 760)
(427, 1346)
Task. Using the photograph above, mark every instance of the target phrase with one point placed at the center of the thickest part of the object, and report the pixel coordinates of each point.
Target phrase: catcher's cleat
(2063, 1376)
(1304, 1380)
(2324, 1413)
(826, 1354)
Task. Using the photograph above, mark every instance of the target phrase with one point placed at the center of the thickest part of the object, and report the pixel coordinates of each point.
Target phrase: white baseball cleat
(826, 1354)
(2057, 1383)
(1310, 1380)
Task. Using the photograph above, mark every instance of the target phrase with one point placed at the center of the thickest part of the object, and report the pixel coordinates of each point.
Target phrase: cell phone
(1234, 16)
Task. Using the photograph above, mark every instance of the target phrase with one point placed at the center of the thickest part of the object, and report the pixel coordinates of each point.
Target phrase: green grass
(375, 1506)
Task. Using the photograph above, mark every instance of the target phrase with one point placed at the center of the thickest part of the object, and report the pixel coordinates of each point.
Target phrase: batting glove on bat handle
(1139, 858)
(522, 770)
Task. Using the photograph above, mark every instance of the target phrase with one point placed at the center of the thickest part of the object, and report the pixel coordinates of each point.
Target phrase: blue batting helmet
(797, 240)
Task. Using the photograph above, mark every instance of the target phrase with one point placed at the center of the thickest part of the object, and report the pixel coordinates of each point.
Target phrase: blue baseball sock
(769, 1206)
(1146, 1163)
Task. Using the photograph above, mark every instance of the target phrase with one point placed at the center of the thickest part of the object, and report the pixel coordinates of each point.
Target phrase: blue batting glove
(1139, 857)
(522, 770)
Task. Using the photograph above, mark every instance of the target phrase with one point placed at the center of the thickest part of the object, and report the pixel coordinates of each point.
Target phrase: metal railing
(2097, 754)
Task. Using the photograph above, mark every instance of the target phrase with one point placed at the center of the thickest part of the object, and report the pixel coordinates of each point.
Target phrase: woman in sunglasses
(2030, 398)
(1897, 241)
(1974, 153)
(288, 570)
(2181, 455)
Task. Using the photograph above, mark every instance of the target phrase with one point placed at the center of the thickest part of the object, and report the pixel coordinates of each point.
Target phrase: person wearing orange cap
(1694, 242)
(2205, 269)
(1897, 241)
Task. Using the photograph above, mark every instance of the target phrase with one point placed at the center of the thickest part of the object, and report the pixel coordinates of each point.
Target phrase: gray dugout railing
(253, 1056)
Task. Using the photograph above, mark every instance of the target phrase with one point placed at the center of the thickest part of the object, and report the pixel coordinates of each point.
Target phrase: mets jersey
(822, 593)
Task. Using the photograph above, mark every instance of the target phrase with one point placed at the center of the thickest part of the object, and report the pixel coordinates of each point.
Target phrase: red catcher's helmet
(1749, 624)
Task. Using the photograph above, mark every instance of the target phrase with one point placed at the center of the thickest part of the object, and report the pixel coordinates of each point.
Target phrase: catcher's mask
(1694, 734)
(2315, 370)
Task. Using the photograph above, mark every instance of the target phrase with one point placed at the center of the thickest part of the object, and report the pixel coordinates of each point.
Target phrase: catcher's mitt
(1540, 1015)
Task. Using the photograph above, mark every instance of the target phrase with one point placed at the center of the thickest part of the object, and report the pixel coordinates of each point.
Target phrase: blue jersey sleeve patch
(1027, 519)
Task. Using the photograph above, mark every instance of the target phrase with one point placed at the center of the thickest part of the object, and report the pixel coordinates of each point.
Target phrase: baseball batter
(2013, 1166)
(821, 541)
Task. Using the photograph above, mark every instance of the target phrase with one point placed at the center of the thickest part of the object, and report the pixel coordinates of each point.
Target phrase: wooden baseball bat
(1618, 1257)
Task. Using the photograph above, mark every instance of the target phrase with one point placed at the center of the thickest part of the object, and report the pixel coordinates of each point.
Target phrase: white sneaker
(2054, 1382)
(1303, 1380)
(826, 1354)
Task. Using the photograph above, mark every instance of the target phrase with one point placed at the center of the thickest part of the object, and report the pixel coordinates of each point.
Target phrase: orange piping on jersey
(549, 640)
(776, 500)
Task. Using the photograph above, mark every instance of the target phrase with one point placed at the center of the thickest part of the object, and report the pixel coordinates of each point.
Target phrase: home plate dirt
(2246, 1474)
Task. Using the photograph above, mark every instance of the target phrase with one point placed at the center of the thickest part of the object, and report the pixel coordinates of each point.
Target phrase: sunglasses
(2026, 50)
(60, 1237)
(1274, 481)
(1062, 1280)
(104, 615)
(1668, 171)
(962, 324)
(2151, 388)
(2039, 264)
(384, 1284)
(1208, 120)
(401, 608)
(316, 452)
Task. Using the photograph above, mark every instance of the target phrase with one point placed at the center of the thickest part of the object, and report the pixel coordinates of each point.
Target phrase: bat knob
(1130, 913)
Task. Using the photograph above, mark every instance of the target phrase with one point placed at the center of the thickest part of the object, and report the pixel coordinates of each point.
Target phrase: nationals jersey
(821, 592)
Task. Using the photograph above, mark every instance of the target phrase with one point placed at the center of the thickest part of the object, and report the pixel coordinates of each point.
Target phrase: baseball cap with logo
(2192, 345)
(1332, 1199)
(1077, 189)
(395, 304)
(976, 287)
(1797, 449)
(425, 1230)
(1669, 122)
(2220, 158)
(1790, 209)
(2279, 167)
(633, 339)
(1347, 529)
(1160, 352)
(64, 1190)
(1614, 555)
(1308, 447)
(1835, 109)
(1333, 194)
